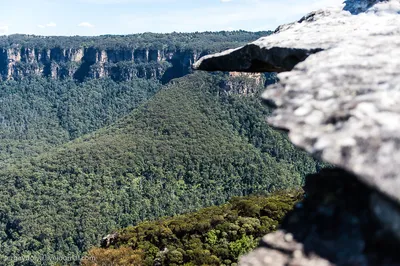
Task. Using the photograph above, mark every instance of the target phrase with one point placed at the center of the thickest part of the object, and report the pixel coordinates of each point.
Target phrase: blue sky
(96, 17)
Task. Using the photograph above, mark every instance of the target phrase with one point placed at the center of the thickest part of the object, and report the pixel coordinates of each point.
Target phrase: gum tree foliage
(210, 236)
(171, 41)
(81, 159)
(191, 145)
(38, 113)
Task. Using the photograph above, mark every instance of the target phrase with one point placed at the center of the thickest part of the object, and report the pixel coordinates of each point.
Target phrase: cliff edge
(120, 57)
(339, 98)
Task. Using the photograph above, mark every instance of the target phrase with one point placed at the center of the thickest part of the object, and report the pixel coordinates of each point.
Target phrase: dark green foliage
(199, 41)
(211, 236)
(182, 150)
(38, 113)
(194, 144)
(247, 115)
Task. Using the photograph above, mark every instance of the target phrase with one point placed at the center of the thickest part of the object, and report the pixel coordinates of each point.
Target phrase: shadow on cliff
(3, 62)
(88, 60)
(177, 70)
(181, 65)
(335, 221)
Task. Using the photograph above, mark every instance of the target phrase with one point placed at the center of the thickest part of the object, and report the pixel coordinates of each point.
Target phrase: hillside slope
(212, 236)
(55, 89)
(186, 148)
(37, 113)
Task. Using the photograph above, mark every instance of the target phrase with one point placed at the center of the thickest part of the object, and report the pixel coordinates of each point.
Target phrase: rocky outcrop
(18, 62)
(109, 240)
(246, 84)
(317, 31)
(334, 225)
(339, 102)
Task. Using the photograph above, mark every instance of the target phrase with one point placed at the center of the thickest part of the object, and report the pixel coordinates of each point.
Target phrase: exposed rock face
(109, 240)
(340, 101)
(246, 84)
(317, 31)
(356, 6)
(17, 62)
(334, 225)
(345, 111)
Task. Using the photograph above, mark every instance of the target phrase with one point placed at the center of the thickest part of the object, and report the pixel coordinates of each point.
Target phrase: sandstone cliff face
(19, 62)
(246, 84)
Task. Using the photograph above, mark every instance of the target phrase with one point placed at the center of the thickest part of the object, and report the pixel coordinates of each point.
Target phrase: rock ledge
(340, 101)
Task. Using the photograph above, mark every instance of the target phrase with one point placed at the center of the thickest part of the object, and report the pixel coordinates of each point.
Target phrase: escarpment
(246, 84)
(339, 100)
(148, 55)
(58, 63)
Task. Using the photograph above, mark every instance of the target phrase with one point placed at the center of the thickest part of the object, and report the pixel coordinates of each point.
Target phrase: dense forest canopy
(38, 113)
(211, 236)
(191, 145)
(170, 41)
(91, 146)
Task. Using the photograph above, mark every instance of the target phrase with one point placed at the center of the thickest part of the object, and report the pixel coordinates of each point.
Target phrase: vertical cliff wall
(121, 57)
(120, 64)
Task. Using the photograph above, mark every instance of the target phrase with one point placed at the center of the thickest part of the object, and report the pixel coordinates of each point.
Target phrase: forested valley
(81, 159)
(39, 113)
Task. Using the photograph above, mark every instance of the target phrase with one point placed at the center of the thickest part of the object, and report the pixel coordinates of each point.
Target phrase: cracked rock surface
(341, 99)
(340, 102)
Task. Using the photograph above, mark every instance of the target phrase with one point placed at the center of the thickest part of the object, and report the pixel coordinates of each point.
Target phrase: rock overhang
(341, 98)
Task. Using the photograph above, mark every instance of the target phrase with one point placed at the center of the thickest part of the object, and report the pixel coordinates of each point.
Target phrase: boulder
(109, 240)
